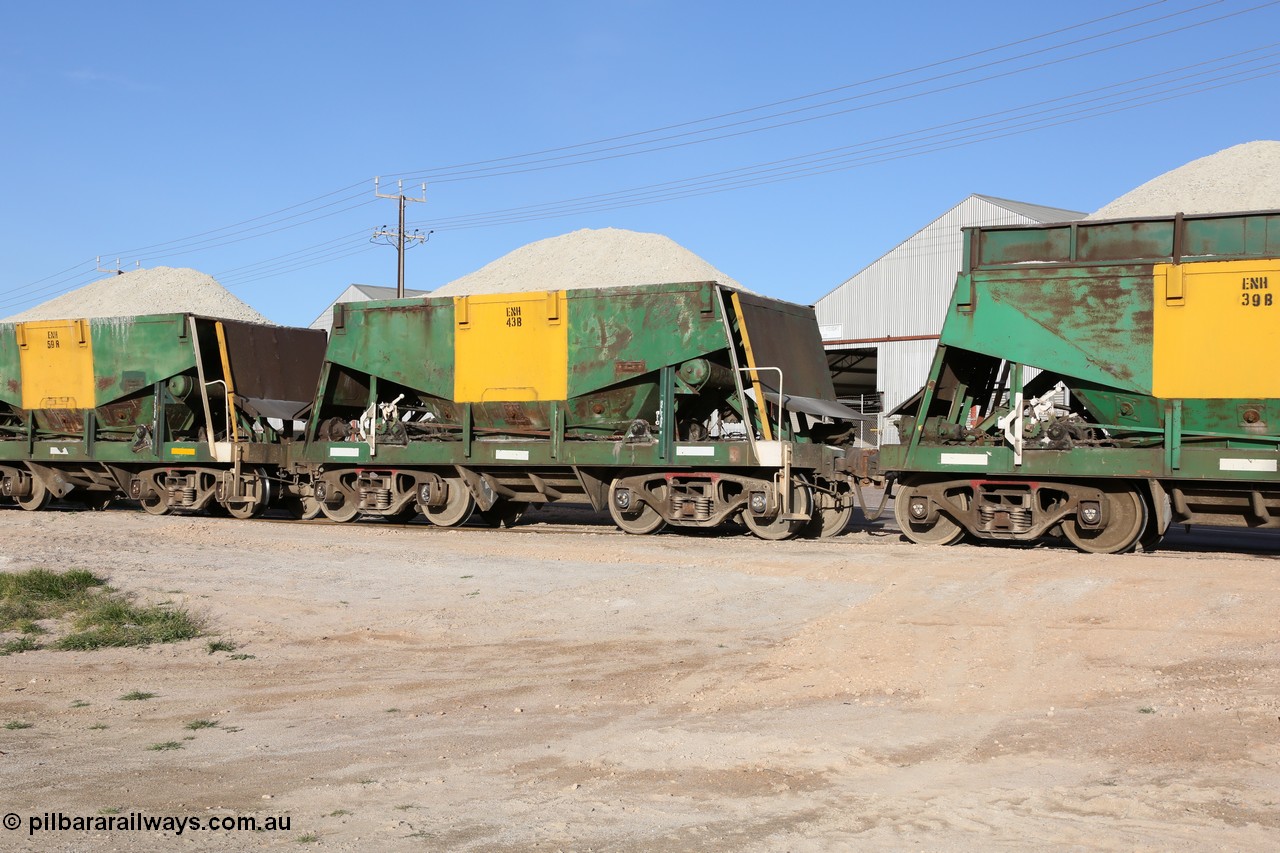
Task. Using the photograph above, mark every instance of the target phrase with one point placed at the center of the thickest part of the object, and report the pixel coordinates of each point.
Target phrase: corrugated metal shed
(359, 293)
(892, 311)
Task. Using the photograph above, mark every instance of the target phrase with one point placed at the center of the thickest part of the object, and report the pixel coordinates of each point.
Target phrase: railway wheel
(311, 508)
(829, 518)
(39, 497)
(631, 515)
(246, 509)
(457, 507)
(912, 511)
(1126, 521)
(1158, 516)
(304, 507)
(504, 513)
(154, 500)
(406, 514)
(343, 510)
(776, 527)
(262, 490)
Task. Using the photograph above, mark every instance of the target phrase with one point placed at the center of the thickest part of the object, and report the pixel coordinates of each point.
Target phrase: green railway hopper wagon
(176, 411)
(1156, 400)
(685, 404)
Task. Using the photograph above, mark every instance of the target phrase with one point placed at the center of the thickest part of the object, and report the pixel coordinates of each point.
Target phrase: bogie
(654, 405)
(1101, 516)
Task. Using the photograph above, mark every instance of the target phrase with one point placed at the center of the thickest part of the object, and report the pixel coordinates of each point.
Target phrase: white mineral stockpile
(160, 290)
(1243, 177)
(605, 257)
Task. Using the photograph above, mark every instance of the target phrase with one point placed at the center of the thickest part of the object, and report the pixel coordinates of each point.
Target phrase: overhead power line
(600, 152)
(960, 73)
(440, 171)
(1042, 112)
(1072, 108)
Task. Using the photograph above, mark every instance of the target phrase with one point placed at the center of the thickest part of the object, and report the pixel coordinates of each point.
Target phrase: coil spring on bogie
(377, 499)
(1017, 519)
(699, 509)
(182, 497)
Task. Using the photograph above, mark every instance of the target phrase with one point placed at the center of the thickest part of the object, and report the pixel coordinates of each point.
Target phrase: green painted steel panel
(619, 334)
(10, 366)
(1079, 300)
(628, 350)
(407, 341)
(131, 354)
(1095, 324)
(1158, 239)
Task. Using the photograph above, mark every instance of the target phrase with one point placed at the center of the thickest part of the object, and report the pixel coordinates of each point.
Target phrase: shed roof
(359, 293)
(1037, 212)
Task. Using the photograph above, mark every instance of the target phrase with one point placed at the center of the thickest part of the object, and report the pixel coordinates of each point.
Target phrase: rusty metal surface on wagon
(1094, 352)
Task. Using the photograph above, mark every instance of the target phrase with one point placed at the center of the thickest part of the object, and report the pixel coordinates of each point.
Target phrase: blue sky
(242, 139)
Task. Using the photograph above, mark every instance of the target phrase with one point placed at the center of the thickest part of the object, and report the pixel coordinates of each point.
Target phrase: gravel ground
(566, 687)
(160, 290)
(606, 257)
(1243, 177)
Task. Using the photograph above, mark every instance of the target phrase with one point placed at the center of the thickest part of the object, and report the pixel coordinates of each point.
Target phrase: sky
(789, 145)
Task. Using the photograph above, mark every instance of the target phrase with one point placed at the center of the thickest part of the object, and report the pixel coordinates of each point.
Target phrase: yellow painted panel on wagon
(1216, 330)
(57, 364)
(511, 347)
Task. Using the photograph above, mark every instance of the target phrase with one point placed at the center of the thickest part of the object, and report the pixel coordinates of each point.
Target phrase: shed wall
(906, 293)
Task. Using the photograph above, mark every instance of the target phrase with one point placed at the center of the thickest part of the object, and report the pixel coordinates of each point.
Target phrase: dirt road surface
(557, 687)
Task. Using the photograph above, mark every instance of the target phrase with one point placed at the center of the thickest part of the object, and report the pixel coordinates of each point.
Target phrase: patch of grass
(196, 725)
(16, 612)
(101, 616)
(309, 838)
(18, 644)
(44, 585)
(232, 729)
(98, 727)
(340, 813)
(1146, 710)
(161, 747)
(109, 810)
(42, 594)
(220, 646)
(138, 696)
(393, 710)
(79, 703)
(242, 656)
(17, 724)
(116, 622)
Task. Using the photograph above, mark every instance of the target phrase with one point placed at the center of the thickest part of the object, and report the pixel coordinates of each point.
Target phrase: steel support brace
(1173, 435)
(666, 436)
(466, 430)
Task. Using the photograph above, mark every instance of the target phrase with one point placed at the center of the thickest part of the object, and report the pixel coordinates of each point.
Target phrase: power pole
(117, 269)
(399, 234)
